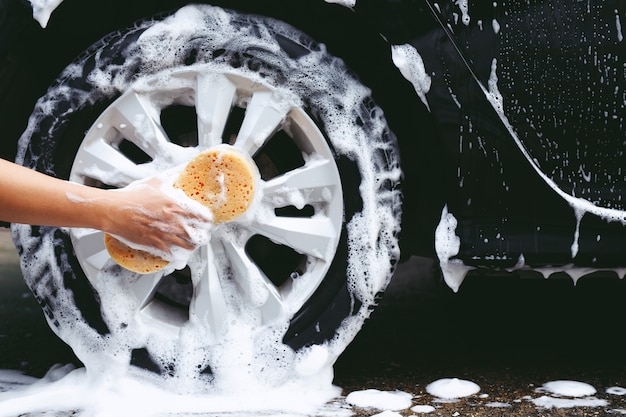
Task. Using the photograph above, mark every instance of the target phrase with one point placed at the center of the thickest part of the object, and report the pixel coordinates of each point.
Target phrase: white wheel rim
(223, 268)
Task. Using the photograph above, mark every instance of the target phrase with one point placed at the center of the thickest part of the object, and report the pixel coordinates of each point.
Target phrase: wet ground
(507, 334)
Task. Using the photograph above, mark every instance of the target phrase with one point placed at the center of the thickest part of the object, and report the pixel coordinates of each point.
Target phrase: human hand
(146, 216)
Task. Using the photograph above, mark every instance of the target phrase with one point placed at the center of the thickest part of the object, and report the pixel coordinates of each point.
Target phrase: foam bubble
(109, 395)
(568, 388)
(447, 246)
(411, 66)
(451, 388)
(382, 400)
(423, 409)
(42, 10)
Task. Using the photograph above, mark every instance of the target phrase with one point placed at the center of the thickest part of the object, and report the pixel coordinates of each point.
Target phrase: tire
(303, 270)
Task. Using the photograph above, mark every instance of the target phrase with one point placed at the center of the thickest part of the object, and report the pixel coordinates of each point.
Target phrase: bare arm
(143, 215)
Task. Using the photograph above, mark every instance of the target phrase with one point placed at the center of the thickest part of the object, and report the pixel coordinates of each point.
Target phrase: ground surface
(509, 336)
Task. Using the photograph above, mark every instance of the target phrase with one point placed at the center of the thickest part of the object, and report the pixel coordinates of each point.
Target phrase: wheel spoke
(215, 95)
(313, 236)
(255, 286)
(316, 182)
(89, 246)
(264, 114)
(98, 160)
(209, 304)
(140, 124)
(144, 288)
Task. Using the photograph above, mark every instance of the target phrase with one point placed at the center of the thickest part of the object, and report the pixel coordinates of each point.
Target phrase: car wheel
(301, 270)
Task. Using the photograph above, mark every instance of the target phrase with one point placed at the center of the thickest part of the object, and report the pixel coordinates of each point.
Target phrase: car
(479, 135)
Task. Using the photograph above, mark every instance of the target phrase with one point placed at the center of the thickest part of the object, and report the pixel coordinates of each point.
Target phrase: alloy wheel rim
(298, 215)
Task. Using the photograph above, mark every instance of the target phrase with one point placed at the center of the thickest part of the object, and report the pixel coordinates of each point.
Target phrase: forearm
(29, 197)
(142, 214)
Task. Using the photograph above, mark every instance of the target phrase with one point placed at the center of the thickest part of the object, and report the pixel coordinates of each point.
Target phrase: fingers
(179, 237)
(161, 234)
(169, 228)
(150, 218)
(183, 242)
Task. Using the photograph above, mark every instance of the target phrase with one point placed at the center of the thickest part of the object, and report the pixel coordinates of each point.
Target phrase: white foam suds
(112, 395)
(388, 413)
(42, 10)
(498, 404)
(618, 27)
(423, 409)
(452, 388)
(558, 394)
(568, 388)
(464, 7)
(568, 394)
(495, 26)
(554, 402)
(447, 246)
(411, 66)
(11, 379)
(381, 400)
(579, 217)
(346, 3)
(77, 392)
